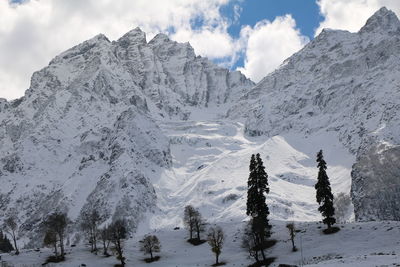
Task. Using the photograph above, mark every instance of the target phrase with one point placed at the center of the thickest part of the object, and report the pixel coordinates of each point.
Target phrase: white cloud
(351, 15)
(268, 44)
(212, 42)
(31, 34)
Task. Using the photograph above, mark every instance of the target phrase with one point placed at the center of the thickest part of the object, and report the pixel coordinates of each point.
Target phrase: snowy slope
(210, 162)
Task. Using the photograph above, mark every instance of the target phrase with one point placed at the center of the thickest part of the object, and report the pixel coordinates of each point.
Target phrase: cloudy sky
(254, 36)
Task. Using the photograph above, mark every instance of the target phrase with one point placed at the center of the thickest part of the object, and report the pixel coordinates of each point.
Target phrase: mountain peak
(383, 20)
(133, 36)
(160, 38)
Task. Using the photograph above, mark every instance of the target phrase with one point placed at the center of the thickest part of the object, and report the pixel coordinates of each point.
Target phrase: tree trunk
(15, 243)
(292, 243)
(119, 250)
(55, 249)
(256, 256)
(254, 248)
(94, 241)
(262, 254)
(151, 255)
(62, 244)
(216, 258)
(104, 248)
(91, 241)
(191, 232)
(260, 243)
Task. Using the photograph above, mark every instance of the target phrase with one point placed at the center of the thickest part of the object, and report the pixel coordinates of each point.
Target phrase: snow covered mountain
(344, 84)
(84, 134)
(140, 129)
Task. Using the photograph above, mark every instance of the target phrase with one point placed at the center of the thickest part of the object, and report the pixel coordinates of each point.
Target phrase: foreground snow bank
(357, 244)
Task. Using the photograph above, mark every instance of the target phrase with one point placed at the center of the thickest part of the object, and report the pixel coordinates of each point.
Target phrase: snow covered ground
(357, 244)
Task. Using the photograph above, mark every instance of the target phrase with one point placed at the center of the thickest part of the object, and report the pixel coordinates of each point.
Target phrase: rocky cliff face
(375, 187)
(84, 134)
(343, 83)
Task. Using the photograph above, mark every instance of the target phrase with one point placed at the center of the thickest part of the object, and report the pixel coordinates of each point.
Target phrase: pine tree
(252, 190)
(324, 193)
(263, 189)
(256, 205)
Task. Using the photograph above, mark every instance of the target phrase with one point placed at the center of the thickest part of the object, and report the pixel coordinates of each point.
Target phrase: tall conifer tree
(252, 190)
(324, 193)
(256, 206)
(263, 189)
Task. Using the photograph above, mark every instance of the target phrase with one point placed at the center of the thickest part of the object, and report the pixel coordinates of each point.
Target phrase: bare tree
(292, 232)
(150, 244)
(90, 222)
(50, 239)
(11, 227)
(188, 219)
(215, 239)
(199, 224)
(118, 232)
(105, 237)
(57, 222)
